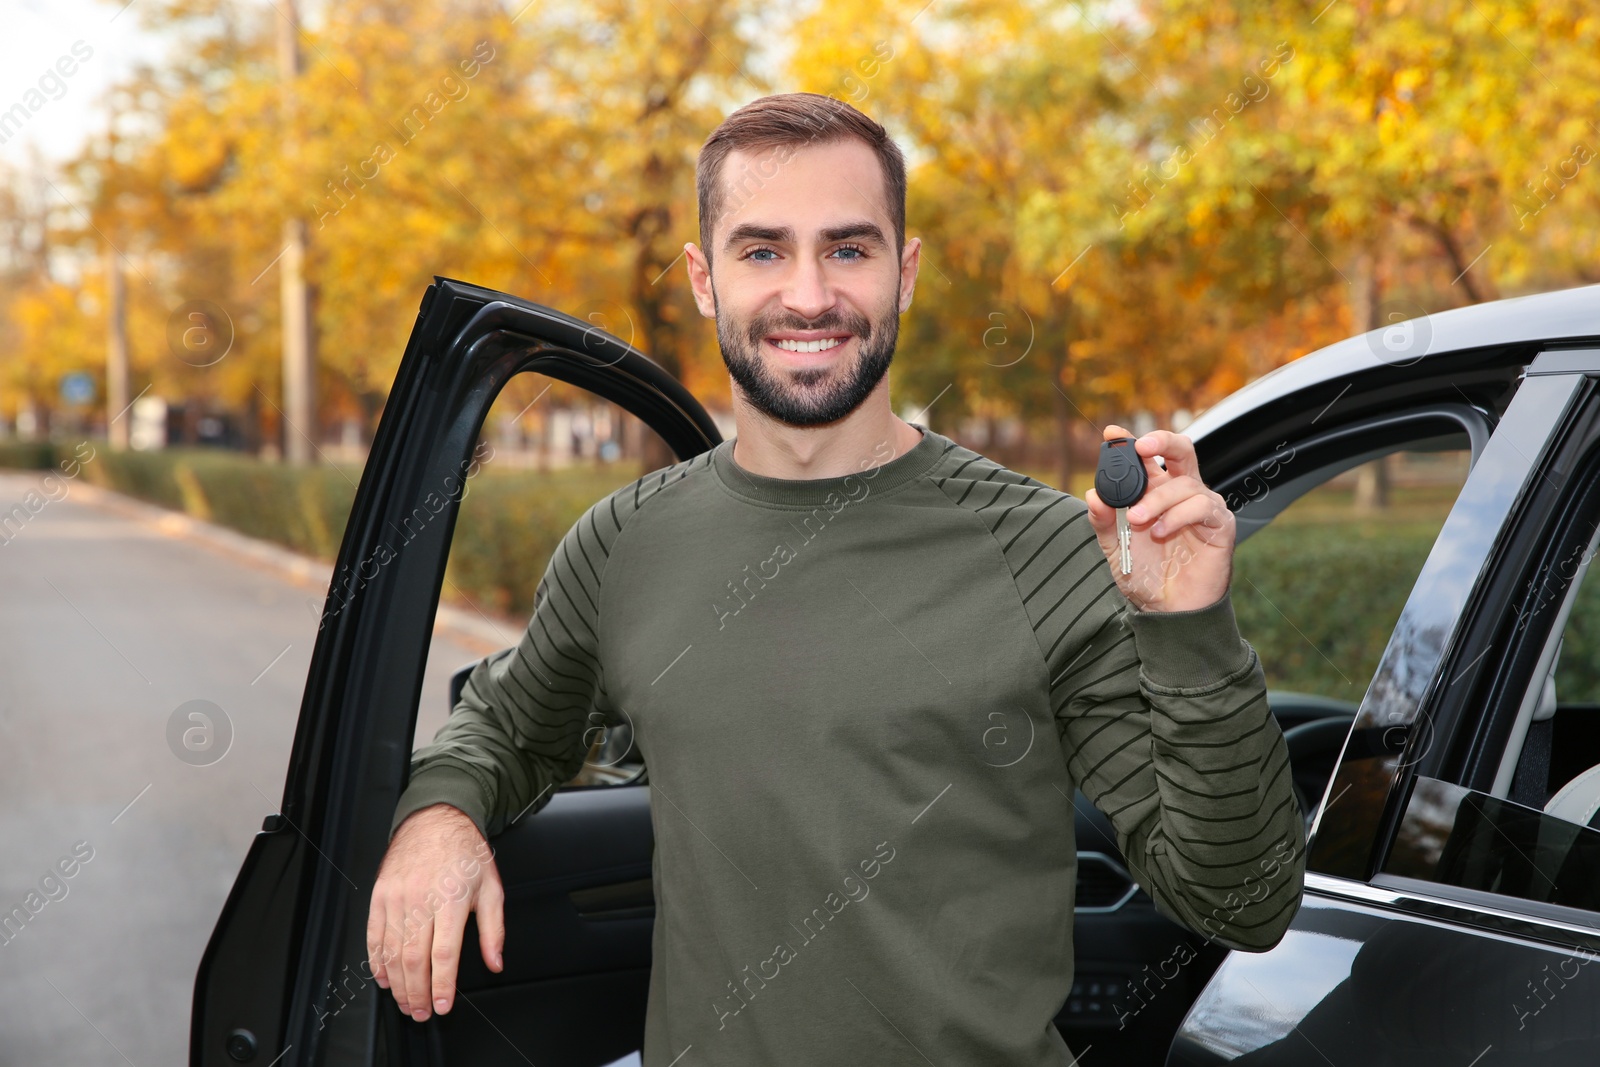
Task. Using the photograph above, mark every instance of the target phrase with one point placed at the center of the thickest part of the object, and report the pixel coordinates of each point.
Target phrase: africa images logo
(348, 581)
(809, 929)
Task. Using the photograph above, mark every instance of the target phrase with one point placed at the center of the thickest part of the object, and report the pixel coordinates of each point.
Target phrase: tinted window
(1577, 673)
(1457, 836)
(1527, 836)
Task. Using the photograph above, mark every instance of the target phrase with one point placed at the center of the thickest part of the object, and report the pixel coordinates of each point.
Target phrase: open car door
(284, 979)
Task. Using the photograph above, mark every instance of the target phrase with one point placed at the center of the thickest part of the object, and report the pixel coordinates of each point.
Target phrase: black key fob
(1120, 479)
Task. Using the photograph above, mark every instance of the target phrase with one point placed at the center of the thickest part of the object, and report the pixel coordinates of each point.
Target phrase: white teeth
(810, 346)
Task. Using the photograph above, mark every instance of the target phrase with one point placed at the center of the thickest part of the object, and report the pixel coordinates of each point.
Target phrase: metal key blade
(1120, 481)
(1125, 541)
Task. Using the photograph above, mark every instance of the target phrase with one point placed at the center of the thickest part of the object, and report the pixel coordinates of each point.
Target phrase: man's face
(805, 259)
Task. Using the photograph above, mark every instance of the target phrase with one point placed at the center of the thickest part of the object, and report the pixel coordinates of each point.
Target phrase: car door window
(1461, 837)
(1333, 529)
(1317, 591)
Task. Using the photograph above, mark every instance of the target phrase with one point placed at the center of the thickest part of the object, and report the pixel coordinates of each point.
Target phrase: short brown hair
(793, 120)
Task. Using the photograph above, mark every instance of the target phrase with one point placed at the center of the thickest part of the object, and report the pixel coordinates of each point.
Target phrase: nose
(808, 293)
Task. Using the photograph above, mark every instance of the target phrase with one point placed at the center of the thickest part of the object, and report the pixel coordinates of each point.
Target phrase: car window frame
(1257, 494)
(1489, 665)
(1258, 491)
(1508, 641)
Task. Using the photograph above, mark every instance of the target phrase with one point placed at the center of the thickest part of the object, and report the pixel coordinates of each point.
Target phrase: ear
(700, 280)
(910, 261)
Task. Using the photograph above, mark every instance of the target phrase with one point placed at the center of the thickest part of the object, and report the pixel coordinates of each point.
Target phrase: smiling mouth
(821, 345)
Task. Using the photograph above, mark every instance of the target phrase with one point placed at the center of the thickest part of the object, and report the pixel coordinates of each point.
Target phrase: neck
(765, 446)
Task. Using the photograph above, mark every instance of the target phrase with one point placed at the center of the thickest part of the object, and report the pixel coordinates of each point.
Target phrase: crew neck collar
(813, 492)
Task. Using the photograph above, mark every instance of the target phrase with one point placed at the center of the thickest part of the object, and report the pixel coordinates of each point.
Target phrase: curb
(471, 626)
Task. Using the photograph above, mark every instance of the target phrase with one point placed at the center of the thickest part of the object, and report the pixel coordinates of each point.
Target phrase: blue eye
(860, 253)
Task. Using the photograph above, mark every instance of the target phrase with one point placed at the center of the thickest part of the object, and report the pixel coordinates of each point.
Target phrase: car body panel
(1356, 983)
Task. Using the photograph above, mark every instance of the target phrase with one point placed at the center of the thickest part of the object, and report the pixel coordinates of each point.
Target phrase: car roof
(1567, 314)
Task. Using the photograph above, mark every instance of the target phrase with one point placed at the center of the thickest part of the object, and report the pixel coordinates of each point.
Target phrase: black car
(1500, 388)
(1452, 901)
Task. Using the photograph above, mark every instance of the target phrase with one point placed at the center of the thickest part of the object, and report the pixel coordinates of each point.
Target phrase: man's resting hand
(438, 870)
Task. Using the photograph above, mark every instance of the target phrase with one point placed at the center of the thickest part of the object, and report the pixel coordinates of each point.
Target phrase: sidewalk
(473, 627)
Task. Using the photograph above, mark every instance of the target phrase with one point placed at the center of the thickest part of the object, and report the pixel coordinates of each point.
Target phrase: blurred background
(230, 208)
(218, 217)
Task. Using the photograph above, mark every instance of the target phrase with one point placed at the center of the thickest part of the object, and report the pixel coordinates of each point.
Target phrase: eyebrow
(861, 229)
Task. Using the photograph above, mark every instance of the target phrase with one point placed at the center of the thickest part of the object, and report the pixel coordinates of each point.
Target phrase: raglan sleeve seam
(990, 537)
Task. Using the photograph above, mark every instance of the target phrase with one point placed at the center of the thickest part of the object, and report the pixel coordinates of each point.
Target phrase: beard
(811, 396)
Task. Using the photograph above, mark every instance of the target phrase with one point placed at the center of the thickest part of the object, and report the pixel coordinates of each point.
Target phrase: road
(107, 625)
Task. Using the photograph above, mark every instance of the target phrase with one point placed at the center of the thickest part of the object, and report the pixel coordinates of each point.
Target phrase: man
(866, 668)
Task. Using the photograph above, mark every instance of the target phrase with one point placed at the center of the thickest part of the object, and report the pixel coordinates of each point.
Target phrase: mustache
(859, 325)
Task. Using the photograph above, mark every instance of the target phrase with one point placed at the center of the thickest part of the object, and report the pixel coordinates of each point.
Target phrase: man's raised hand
(1182, 533)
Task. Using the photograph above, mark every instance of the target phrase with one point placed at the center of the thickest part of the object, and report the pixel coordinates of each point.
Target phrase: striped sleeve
(1162, 717)
(522, 726)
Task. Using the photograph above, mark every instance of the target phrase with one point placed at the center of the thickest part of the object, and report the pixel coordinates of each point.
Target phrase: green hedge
(30, 455)
(1319, 600)
(303, 509)
(510, 520)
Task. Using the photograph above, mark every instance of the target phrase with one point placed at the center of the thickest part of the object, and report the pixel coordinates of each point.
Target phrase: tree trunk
(1063, 449)
(1365, 295)
(299, 370)
(251, 428)
(1372, 486)
(653, 297)
(1372, 479)
(1056, 342)
(118, 418)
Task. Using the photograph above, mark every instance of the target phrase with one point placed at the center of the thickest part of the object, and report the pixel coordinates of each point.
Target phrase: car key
(1120, 481)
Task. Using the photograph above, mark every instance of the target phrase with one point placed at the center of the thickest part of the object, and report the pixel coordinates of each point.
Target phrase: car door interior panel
(579, 911)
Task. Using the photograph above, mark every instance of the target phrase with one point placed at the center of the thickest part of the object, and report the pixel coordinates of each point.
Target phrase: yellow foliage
(1165, 196)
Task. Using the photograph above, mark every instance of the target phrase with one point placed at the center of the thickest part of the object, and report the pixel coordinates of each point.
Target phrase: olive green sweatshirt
(865, 702)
